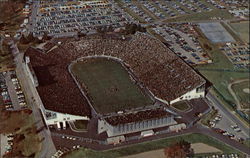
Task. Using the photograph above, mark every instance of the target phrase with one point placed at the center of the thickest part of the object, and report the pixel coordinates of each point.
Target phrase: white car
(237, 129)
(234, 126)
(225, 133)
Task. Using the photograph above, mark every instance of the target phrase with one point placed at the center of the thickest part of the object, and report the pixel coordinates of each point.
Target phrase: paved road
(3, 143)
(224, 70)
(32, 19)
(228, 113)
(33, 99)
(224, 139)
(69, 143)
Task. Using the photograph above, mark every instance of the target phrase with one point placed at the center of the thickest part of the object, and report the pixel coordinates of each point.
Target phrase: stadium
(127, 83)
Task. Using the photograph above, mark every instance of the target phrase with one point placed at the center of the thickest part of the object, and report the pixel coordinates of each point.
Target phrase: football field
(108, 85)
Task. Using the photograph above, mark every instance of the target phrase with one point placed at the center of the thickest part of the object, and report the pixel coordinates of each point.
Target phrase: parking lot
(151, 10)
(182, 39)
(6, 143)
(238, 54)
(227, 127)
(64, 17)
(11, 91)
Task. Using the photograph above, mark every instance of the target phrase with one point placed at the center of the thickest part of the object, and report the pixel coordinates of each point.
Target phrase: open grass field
(242, 28)
(201, 16)
(208, 117)
(199, 148)
(81, 124)
(182, 106)
(109, 86)
(27, 141)
(215, 72)
(242, 92)
(149, 154)
(150, 146)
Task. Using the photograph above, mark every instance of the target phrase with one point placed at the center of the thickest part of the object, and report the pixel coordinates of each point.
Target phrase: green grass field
(243, 97)
(81, 124)
(202, 16)
(182, 106)
(219, 79)
(109, 86)
(152, 145)
(208, 117)
(242, 29)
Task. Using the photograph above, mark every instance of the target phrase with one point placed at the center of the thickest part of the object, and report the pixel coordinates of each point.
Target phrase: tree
(23, 40)
(30, 37)
(175, 151)
(181, 149)
(80, 34)
(132, 28)
(46, 37)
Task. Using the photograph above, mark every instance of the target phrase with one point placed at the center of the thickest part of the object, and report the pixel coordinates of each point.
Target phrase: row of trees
(32, 39)
(180, 149)
(129, 28)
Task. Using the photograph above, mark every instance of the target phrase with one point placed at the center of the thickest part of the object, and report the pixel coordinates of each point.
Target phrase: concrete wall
(135, 126)
(190, 95)
(60, 117)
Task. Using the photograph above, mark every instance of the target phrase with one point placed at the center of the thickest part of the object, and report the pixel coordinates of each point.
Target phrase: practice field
(109, 86)
(242, 28)
(242, 92)
(216, 33)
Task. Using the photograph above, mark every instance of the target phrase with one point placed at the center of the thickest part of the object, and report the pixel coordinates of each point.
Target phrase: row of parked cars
(61, 20)
(195, 5)
(19, 92)
(183, 44)
(137, 10)
(153, 9)
(230, 135)
(237, 54)
(8, 147)
(7, 100)
(215, 120)
(5, 94)
(233, 155)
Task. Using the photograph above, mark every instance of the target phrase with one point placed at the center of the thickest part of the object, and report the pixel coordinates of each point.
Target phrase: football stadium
(126, 83)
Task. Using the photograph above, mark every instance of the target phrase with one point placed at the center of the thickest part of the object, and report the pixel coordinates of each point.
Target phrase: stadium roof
(155, 66)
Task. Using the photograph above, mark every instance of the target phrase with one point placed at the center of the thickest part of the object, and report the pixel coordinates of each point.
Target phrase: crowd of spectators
(138, 116)
(153, 64)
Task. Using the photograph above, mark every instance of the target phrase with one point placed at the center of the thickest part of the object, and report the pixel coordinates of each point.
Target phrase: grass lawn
(202, 16)
(209, 117)
(81, 124)
(21, 123)
(243, 97)
(242, 28)
(219, 79)
(247, 143)
(152, 145)
(182, 106)
(109, 86)
(231, 32)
